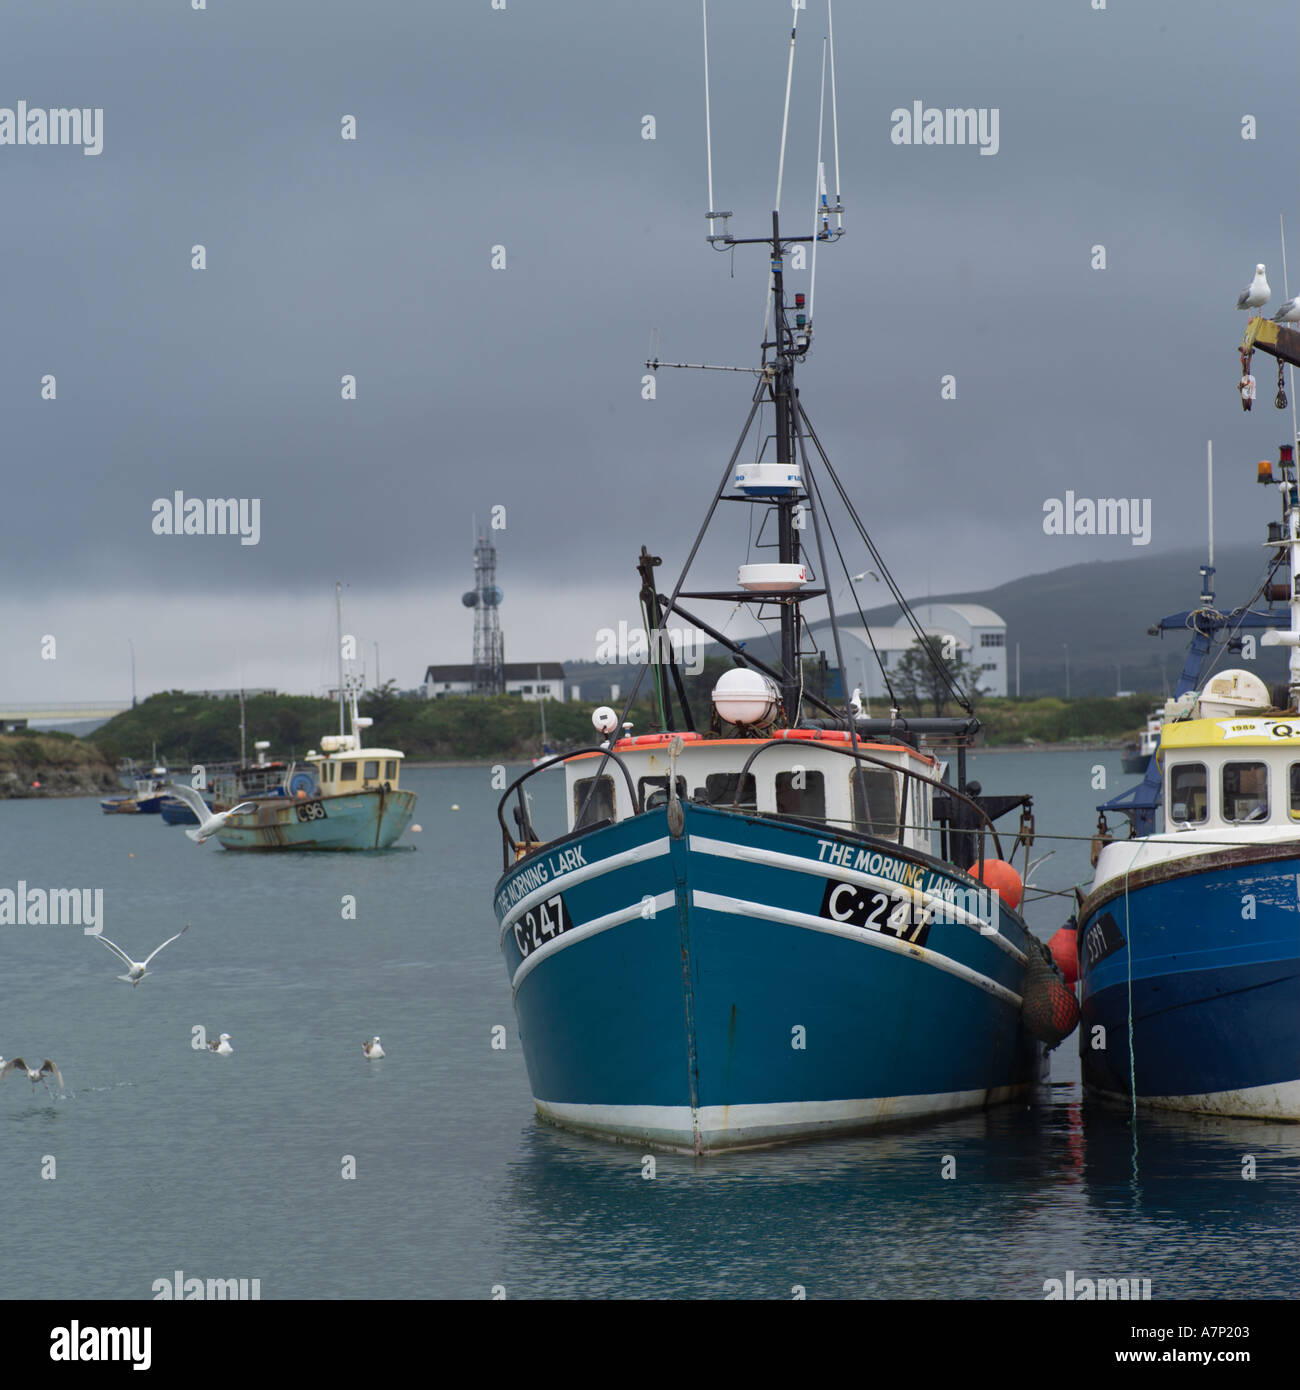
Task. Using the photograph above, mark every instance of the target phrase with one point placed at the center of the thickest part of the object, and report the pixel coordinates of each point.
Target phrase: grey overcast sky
(521, 387)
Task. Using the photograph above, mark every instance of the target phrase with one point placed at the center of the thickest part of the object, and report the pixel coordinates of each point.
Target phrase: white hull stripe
(715, 902)
(592, 928)
(652, 849)
(1280, 1101)
(726, 1126)
(950, 911)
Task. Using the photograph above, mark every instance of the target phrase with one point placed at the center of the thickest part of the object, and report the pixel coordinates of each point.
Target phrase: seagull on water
(208, 824)
(1256, 293)
(372, 1048)
(1289, 312)
(47, 1068)
(223, 1047)
(136, 969)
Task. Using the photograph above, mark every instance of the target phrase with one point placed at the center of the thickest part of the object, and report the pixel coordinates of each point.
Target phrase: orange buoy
(1064, 947)
(1003, 879)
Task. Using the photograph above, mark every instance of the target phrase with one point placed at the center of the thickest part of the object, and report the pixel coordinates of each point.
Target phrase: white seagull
(855, 704)
(223, 1047)
(1256, 293)
(372, 1048)
(136, 969)
(1289, 312)
(209, 823)
(47, 1068)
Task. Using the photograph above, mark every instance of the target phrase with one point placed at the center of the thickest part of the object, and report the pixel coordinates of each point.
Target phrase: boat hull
(695, 992)
(1214, 979)
(176, 812)
(354, 821)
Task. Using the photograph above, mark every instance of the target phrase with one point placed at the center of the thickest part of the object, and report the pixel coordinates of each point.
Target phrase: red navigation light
(798, 301)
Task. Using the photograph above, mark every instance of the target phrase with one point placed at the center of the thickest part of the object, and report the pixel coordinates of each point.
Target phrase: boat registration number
(311, 810)
(541, 924)
(876, 911)
(1103, 938)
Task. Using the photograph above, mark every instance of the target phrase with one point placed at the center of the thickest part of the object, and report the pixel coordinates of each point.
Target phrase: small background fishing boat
(347, 796)
(150, 791)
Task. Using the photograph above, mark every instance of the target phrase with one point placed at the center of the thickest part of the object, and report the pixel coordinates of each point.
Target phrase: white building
(530, 680)
(978, 635)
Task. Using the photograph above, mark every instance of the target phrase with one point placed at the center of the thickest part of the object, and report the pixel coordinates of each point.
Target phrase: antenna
(819, 200)
(785, 118)
(711, 215)
(1286, 291)
(1209, 463)
(835, 126)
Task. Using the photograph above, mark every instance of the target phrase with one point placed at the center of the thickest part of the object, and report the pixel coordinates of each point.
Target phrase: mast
(787, 534)
(338, 603)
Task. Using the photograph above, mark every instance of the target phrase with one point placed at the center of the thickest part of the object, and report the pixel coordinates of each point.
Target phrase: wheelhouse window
(653, 791)
(1245, 791)
(875, 801)
(390, 769)
(1295, 791)
(1188, 793)
(372, 769)
(720, 790)
(601, 806)
(801, 793)
(347, 772)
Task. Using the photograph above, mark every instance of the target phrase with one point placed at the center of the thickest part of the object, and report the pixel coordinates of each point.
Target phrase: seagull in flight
(47, 1068)
(137, 968)
(372, 1048)
(208, 824)
(222, 1048)
(1289, 312)
(1256, 293)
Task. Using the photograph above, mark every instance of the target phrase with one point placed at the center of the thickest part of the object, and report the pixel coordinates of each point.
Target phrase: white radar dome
(746, 697)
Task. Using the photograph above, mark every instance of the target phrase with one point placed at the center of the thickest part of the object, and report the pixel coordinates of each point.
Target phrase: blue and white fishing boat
(1189, 939)
(148, 794)
(775, 919)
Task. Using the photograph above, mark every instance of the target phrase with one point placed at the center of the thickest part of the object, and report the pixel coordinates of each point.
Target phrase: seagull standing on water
(209, 823)
(222, 1048)
(47, 1069)
(136, 969)
(1256, 293)
(1289, 312)
(372, 1048)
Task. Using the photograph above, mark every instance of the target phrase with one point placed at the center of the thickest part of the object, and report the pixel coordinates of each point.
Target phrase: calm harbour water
(174, 1159)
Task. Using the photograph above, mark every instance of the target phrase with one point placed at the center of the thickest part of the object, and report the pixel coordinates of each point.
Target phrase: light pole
(131, 644)
(1066, 645)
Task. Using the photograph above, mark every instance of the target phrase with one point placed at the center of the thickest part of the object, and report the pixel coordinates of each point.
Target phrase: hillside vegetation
(189, 729)
(53, 764)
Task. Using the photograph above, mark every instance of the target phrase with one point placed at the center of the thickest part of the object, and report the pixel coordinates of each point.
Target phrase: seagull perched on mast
(136, 969)
(1289, 312)
(47, 1069)
(209, 824)
(1256, 293)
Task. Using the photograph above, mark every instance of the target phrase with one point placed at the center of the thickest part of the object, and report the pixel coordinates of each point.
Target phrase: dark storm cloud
(522, 386)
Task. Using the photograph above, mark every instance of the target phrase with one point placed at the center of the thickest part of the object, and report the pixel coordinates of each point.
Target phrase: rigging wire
(959, 695)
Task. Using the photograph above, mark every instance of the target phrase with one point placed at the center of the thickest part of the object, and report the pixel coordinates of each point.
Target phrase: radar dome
(744, 697)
